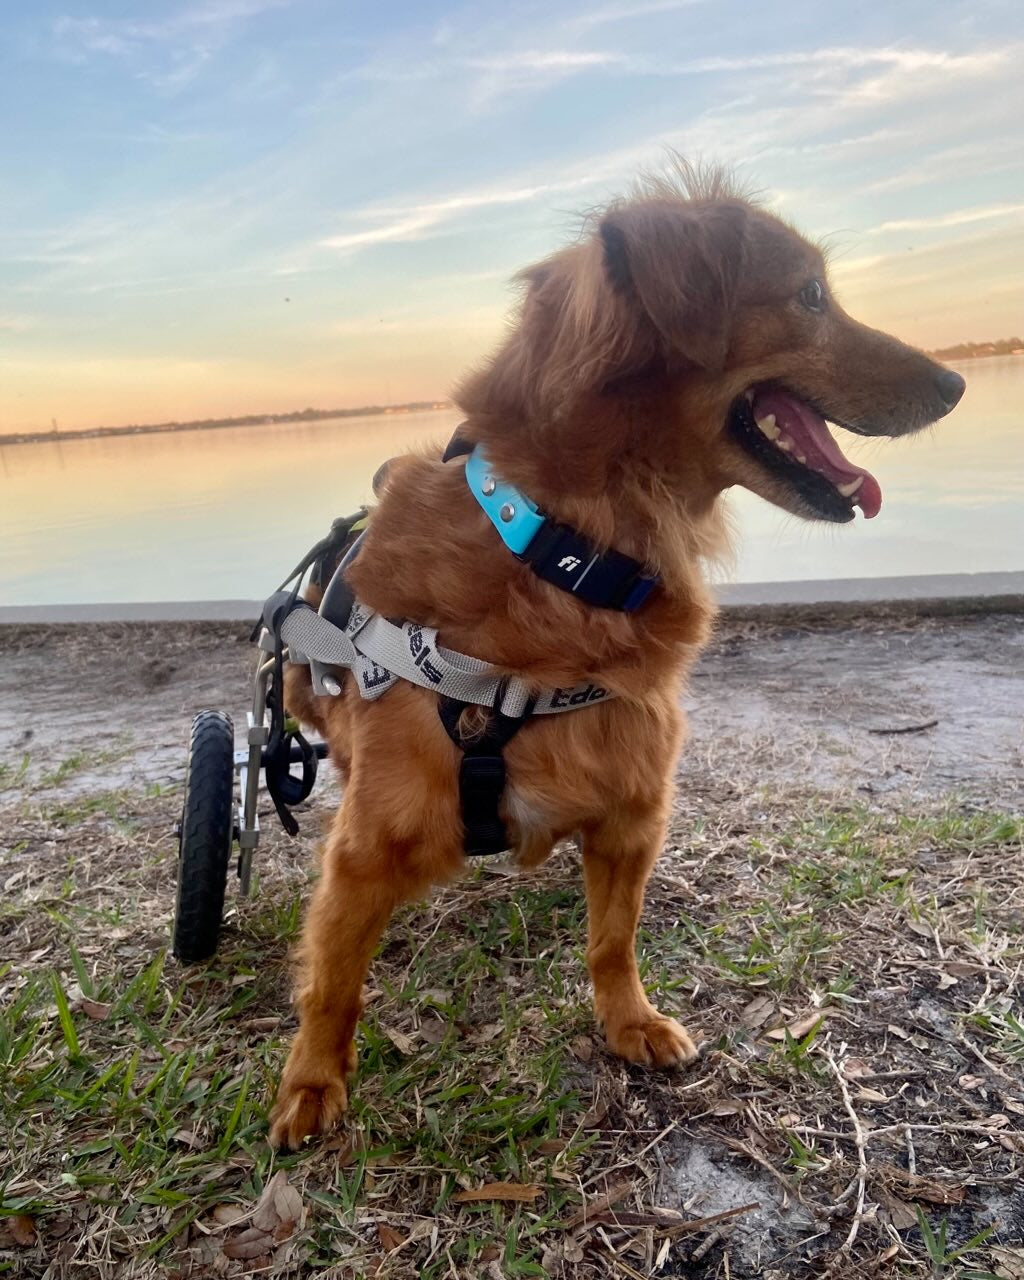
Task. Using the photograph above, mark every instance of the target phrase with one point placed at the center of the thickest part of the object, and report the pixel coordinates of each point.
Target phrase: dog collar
(555, 552)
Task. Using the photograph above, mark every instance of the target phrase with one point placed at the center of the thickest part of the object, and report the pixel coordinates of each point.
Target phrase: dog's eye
(812, 296)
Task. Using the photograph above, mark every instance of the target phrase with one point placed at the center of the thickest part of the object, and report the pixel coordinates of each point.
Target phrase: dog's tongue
(810, 438)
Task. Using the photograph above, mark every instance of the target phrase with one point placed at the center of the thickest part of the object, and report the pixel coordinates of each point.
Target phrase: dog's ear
(681, 264)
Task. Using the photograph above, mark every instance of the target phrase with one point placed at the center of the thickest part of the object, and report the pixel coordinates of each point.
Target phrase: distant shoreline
(965, 351)
(218, 424)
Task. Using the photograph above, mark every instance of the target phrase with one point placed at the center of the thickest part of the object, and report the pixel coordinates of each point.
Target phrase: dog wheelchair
(222, 784)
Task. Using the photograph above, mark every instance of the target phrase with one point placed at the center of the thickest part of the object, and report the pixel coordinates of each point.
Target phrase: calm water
(225, 514)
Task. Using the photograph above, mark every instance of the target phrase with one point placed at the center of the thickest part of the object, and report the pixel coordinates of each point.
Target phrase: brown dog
(690, 343)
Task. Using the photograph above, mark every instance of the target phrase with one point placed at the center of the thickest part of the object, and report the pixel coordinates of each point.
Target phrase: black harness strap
(286, 790)
(482, 774)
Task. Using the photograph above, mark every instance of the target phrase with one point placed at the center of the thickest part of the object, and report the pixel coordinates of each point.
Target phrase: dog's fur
(607, 404)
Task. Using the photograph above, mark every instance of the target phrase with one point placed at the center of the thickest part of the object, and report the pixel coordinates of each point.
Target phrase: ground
(837, 916)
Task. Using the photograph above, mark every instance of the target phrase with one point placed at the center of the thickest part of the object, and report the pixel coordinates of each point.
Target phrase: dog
(688, 342)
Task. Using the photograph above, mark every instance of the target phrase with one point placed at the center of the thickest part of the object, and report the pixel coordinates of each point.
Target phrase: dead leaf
(854, 1068)
(403, 1043)
(797, 1029)
(1009, 1262)
(279, 1210)
(598, 1111)
(920, 928)
(901, 1215)
(390, 1239)
(433, 1031)
(287, 1200)
(486, 1033)
(888, 1254)
(260, 1024)
(188, 1139)
(514, 1191)
(728, 1107)
(23, 1230)
(1012, 1141)
(582, 1048)
(93, 1009)
(551, 1147)
(252, 1243)
(912, 1186)
(757, 1012)
(865, 1094)
(894, 1030)
(946, 980)
(971, 1082)
(227, 1214)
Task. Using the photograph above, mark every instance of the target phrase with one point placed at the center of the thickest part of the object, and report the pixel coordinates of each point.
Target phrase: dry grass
(858, 1108)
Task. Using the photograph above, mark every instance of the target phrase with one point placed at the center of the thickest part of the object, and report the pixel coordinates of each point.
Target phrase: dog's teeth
(848, 490)
(767, 425)
(785, 445)
(801, 457)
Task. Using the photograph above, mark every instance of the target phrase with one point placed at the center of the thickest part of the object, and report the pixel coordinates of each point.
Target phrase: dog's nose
(951, 387)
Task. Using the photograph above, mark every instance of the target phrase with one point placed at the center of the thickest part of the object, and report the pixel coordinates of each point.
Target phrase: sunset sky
(213, 207)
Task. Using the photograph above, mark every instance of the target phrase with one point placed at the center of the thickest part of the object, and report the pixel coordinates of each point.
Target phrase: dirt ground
(839, 912)
(824, 702)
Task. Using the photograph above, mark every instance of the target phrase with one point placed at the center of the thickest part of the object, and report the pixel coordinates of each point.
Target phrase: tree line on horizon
(974, 350)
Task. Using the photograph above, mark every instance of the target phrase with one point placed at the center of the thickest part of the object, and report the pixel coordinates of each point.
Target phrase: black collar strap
(569, 560)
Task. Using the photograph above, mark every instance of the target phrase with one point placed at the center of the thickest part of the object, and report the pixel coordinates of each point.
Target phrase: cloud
(957, 218)
(187, 38)
(628, 12)
(412, 222)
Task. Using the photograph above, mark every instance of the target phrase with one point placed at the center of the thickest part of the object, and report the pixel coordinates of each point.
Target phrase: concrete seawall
(936, 594)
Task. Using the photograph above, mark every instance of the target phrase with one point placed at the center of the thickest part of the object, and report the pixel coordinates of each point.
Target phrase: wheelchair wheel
(207, 832)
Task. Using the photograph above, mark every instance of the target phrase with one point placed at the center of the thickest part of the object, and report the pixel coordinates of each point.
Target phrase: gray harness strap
(379, 653)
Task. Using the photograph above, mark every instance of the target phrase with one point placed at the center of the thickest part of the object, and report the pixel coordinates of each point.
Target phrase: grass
(805, 938)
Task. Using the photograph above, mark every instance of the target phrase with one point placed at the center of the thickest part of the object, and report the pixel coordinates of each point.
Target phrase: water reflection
(223, 514)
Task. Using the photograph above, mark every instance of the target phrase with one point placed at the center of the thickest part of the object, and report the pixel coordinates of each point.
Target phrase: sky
(218, 207)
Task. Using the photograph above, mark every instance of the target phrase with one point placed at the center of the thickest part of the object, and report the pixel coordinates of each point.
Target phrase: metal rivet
(488, 487)
(332, 685)
(507, 512)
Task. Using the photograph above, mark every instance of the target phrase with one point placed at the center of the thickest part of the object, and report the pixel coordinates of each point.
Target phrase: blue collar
(557, 553)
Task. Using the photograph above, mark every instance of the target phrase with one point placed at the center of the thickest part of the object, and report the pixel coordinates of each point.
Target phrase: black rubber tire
(207, 833)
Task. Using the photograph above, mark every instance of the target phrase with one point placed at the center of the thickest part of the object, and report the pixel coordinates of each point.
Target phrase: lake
(224, 514)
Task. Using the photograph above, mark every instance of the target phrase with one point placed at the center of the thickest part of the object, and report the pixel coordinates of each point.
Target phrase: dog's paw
(305, 1110)
(654, 1041)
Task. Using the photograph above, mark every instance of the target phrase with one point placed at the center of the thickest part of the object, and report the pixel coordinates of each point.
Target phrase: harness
(344, 633)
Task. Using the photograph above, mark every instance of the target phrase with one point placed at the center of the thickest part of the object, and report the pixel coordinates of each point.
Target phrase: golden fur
(606, 404)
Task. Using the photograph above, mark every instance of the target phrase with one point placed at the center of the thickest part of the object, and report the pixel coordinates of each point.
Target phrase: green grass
(138, 1090)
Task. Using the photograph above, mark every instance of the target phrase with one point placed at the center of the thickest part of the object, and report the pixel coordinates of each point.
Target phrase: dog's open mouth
(791, 439)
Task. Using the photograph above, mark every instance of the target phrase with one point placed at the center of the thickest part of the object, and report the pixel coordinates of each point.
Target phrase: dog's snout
(951, 388)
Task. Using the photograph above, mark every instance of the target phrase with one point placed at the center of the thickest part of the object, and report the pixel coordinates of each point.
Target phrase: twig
(911, 1153)
(706, 1245)
(757, 1158)
(910, 728)
(591, 1209)
(700, 1224)
(991, 1065)
(862, 1160)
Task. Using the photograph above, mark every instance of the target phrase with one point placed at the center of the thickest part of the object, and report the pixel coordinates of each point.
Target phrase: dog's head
(691, 288)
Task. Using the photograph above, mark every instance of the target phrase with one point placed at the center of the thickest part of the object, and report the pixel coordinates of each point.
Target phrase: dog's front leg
(618, 855)
(351, 905)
